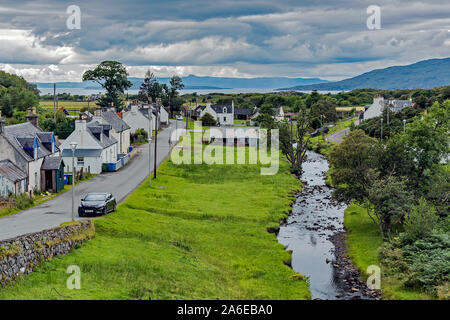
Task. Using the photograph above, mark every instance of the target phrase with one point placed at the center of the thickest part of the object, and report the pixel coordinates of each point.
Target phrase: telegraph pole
(54, 102)
(150, 133)
(156, 141)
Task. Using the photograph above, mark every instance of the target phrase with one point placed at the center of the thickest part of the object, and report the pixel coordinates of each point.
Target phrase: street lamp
(404, 125)
(381, 133)
(73, 146)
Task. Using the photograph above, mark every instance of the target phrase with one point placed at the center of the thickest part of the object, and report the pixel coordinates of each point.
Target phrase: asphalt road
(339, 135)
(59, 209)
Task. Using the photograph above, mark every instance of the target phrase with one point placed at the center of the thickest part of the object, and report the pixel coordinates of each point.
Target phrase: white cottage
(137, 118)
(95, 146)
(26, 146)
(379, 104)
(224, 114)
(120, 131)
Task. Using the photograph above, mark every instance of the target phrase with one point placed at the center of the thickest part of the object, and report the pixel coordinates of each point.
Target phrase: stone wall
(19, 255)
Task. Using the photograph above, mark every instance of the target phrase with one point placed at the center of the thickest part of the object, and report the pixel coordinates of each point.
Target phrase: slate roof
(22, 134)
(243, 111)
(218, 108)
(11, 171)
(115, 121)
(97, 128)
(52, 163)
(398, 105)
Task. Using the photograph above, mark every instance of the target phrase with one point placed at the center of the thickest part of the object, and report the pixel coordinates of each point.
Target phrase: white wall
(34, 174)
(136, 120)
(91, 164)
(376, 109)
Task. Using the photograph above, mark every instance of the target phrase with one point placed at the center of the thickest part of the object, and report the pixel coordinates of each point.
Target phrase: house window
(224, 119)
(35, 180)
(224, 109)
(36, 152)
(80, 161)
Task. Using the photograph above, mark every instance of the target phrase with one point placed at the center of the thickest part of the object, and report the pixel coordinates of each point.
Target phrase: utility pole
(150, 133)
(156, 141)
(54, 102)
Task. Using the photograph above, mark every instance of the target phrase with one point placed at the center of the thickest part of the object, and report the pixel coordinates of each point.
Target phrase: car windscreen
(95, 197)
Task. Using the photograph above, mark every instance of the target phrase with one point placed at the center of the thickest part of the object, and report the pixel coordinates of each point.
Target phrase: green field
(69, 105)
(363, 240)
(200, 232)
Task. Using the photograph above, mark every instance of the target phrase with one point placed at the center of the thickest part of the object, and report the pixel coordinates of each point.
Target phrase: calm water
(314, 218)
(79, 91)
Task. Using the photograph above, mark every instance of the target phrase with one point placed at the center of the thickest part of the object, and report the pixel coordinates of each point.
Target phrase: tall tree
(294, 141)
(113, 77)
(388, 201)
(353, 162)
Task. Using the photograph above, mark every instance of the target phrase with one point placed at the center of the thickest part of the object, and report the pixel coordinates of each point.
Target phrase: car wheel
(114, 208)
(80, 214)
(105, 211)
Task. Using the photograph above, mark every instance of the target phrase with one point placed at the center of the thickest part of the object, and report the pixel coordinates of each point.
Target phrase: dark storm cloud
(253, 37)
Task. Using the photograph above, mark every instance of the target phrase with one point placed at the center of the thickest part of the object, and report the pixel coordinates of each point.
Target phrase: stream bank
(315, 234)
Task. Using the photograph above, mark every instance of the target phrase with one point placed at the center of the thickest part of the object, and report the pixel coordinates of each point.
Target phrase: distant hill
(424, 75)
(195, 82)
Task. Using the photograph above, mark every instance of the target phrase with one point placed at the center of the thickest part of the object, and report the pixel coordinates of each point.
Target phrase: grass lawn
(200, 232)
(363, 240)
(69, 105)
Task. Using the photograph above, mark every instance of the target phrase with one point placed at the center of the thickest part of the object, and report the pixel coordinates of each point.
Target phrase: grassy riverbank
(363, 241)
(200, 232)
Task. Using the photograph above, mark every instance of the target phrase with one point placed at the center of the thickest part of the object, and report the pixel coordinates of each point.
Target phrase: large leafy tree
(388, 201)
(16, 94)
(353, 163)
(113, 77)
(294, 141)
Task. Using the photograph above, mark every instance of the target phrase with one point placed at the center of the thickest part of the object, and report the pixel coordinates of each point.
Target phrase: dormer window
(53, 143)
(35, 149)
(224, 109)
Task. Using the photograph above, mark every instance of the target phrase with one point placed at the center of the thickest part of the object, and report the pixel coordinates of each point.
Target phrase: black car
(97, 203)
(319, 131)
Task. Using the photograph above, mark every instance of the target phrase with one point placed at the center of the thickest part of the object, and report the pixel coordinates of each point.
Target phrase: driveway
(59, 209)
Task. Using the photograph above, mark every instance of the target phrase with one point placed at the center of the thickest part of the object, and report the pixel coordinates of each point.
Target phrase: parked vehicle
(319, 131)
(180, 118)
(97, 203)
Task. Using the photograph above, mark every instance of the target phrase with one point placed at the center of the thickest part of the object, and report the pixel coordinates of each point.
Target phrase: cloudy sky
(237, 38)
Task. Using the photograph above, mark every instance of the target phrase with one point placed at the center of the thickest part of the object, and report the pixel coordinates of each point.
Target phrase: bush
(208, 120)
(141, 136)
(419, 223)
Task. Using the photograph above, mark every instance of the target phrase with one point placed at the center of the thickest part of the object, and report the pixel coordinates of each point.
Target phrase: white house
(137, 118)
(26, 146)
(95, 146)
(12, 179)
(224, 114)
(379, 104)
(120, 129)
(279, 114)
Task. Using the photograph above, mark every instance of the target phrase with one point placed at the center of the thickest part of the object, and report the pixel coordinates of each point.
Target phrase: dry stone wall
(21, 254)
